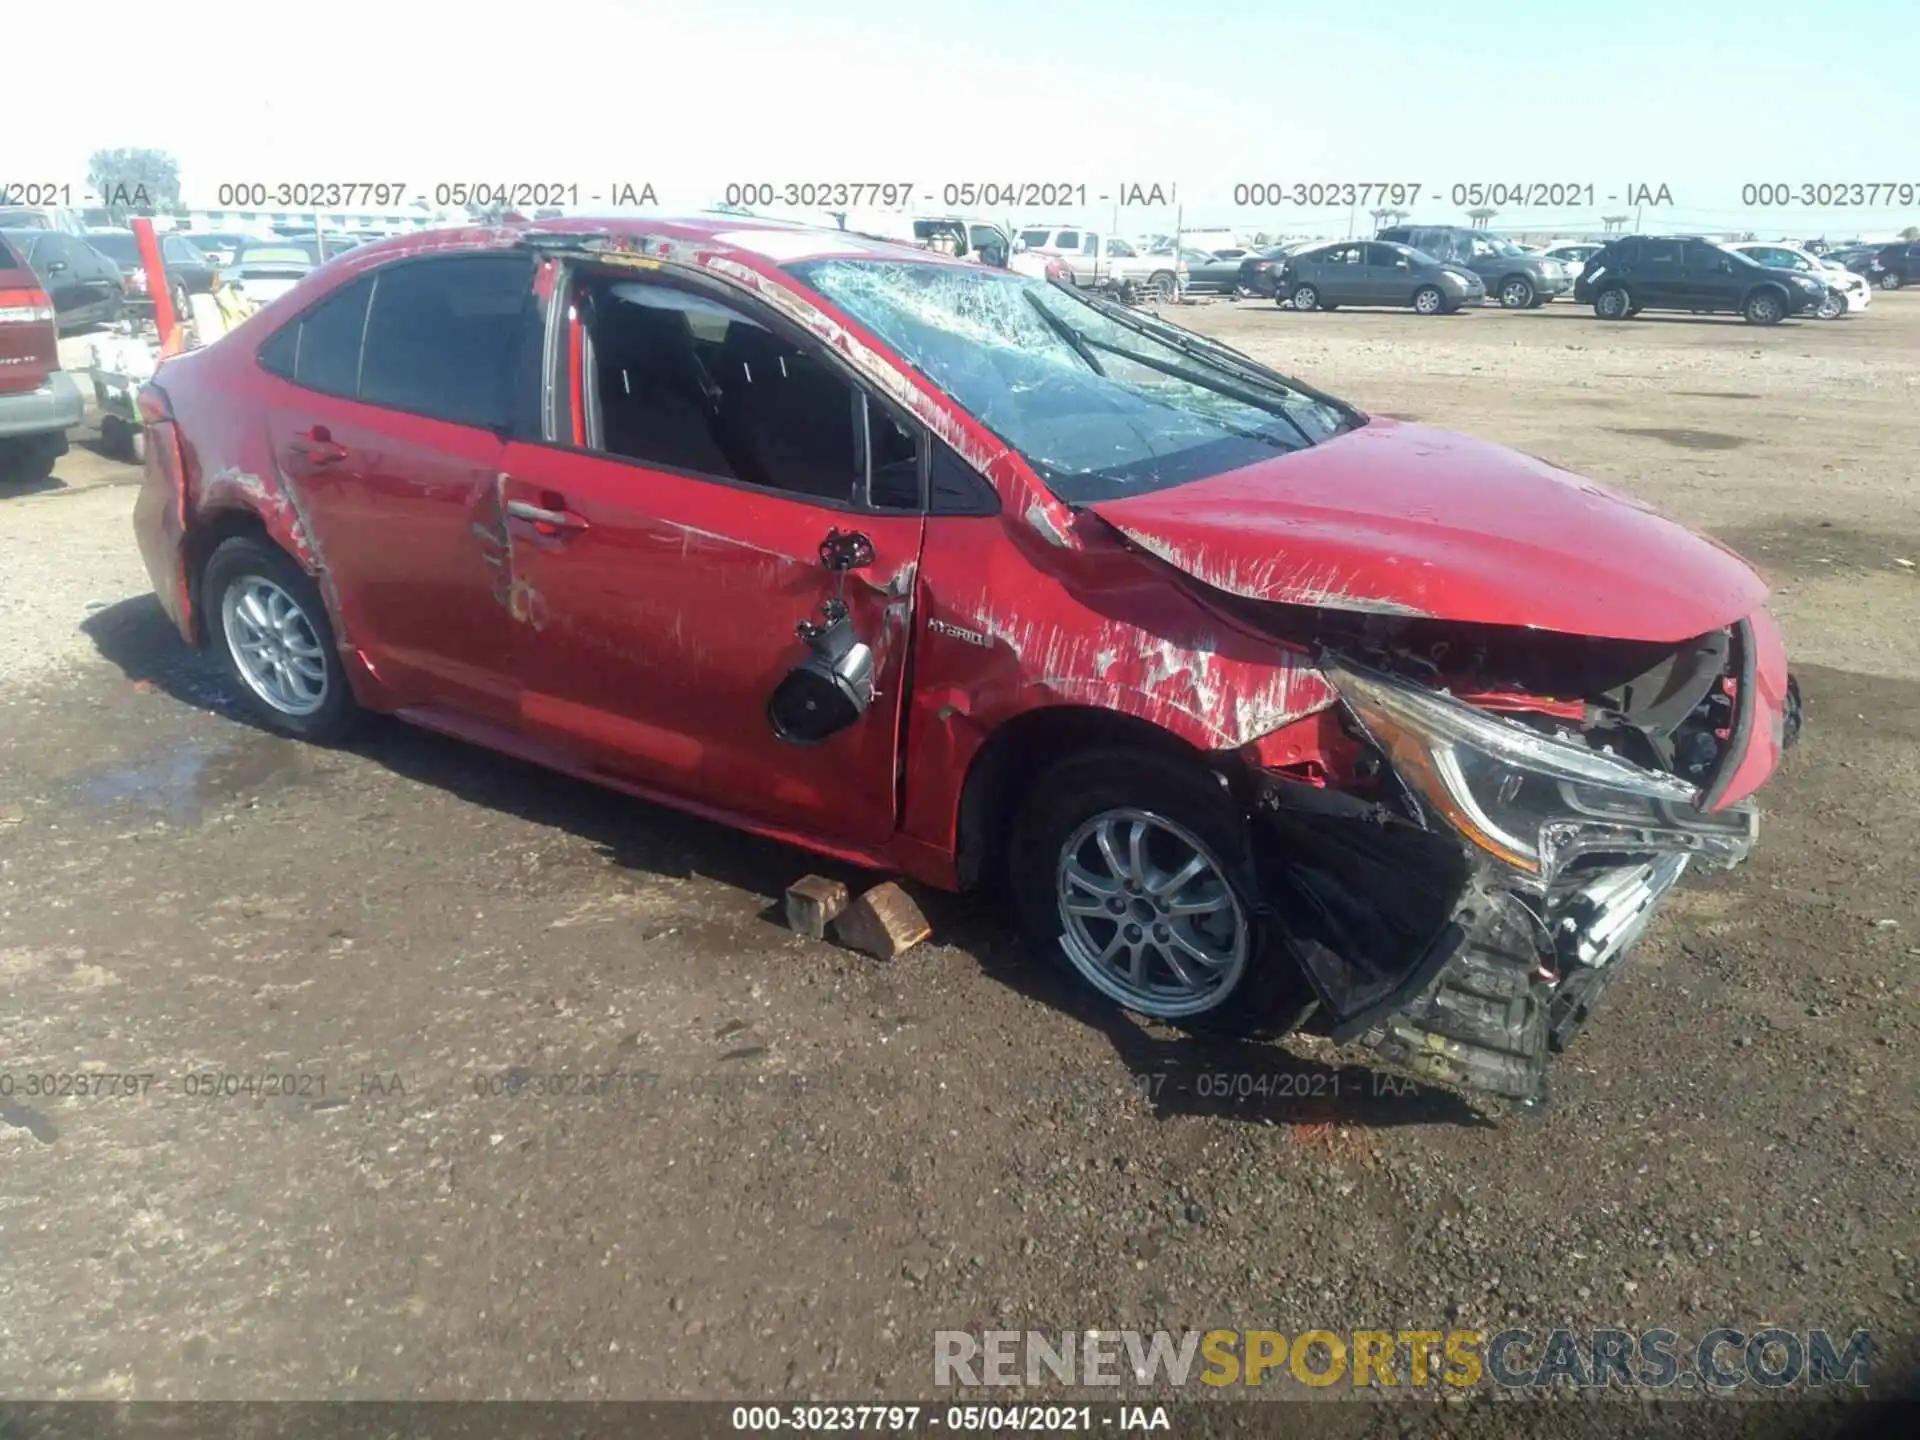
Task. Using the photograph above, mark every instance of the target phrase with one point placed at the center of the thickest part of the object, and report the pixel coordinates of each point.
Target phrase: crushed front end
(1514, 808)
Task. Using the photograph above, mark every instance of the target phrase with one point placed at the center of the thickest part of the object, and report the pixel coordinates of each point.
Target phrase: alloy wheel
(1147, 916)
(275, 649)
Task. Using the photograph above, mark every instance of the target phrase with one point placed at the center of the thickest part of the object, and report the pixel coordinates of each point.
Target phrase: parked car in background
(1846, 291)
(42, 217)
(219, 246)
(1518, 279)
(1894, 266)
(85, 286)
(1378, 272)
(1212, 272)
(1262, 708)
(1105, 262)
(38, 399)
(1856, 258)
(188, 270)
(1573, 254)
(1260, 270)
(264, 270)
(1692, 273)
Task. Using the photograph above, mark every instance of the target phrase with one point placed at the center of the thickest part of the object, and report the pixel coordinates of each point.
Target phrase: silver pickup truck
(1106, 262)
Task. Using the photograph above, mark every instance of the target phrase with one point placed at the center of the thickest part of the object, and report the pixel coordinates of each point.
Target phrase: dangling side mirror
(833, 686)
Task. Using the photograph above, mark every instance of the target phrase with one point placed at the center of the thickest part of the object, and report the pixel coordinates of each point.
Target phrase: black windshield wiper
(1250, 398)
(1066, 332)
(1211, 351)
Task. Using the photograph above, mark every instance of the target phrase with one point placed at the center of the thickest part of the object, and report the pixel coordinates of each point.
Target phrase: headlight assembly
(1513, 792)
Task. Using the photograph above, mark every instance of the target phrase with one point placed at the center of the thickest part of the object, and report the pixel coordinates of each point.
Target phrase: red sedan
(1261, 707)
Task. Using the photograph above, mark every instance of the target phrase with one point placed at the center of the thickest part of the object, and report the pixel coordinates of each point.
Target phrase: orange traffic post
(173, 337)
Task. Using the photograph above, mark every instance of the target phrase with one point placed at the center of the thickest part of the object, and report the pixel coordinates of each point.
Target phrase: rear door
(665, 550)
(1339, 274)
(398, 389)
(1655, 274)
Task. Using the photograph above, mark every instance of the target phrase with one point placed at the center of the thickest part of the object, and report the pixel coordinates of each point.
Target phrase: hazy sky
(1702, 98)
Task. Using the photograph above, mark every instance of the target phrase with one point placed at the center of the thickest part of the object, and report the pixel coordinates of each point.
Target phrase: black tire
(28, 461)
(1517, 293)
(1305, 296)
(1268, 994)
(1765, 306)
(1613, 303)
(1164, 286)
(1429, 300)
(1890, 281)
(244, 558)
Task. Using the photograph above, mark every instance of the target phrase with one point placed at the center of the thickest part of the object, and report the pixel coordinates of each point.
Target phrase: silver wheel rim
(1831, 307)
(1763, 309)
(1515, 296)
(1426, 302)
(1146, 915)
(1611, 303)
(1305, 298)
(274, 646)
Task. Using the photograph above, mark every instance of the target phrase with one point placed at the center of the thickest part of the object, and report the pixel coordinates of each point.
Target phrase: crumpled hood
(1407, 519)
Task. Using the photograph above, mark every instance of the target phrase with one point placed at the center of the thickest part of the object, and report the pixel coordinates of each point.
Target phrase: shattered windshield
(1098, 407)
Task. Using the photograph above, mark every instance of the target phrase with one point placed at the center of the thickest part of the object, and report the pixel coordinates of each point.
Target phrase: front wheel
(1134, 871)
(1516, 293)
(1763, 307)
(1306, 297)
(1890, 281)
(266, 620)
(1833, 306)
(1164, 286)
(1428, 300)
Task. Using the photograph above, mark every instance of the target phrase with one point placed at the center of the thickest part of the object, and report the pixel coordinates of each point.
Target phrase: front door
(661, 564)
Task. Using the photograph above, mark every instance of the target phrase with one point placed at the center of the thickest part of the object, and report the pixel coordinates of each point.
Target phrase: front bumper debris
(1450, 966)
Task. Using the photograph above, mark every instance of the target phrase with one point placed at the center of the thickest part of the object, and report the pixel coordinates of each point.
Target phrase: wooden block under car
(812, 902)
(883, 923)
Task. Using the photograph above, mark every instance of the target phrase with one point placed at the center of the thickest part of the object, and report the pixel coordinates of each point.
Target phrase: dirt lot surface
(833, 1158)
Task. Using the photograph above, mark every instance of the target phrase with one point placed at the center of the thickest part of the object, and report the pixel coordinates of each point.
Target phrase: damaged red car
(1265, 711)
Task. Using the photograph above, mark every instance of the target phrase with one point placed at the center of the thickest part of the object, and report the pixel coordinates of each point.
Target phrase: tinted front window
(1098, 408)
(686, 382)
(441, 336)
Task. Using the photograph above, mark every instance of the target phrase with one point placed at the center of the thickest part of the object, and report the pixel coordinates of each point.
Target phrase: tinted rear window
(442, 334)
(121, 249)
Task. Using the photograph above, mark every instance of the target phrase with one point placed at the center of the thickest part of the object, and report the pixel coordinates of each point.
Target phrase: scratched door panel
(649, 638)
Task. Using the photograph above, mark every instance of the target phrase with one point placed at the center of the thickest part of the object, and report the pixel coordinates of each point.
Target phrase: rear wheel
(1517, 293)
(28, 461)
(1613, 303)
(1890, 281)
(1306, 297)
(1764, 307)
(1165, 287)
(1428, 300)
(266, 619)
(1134, 871)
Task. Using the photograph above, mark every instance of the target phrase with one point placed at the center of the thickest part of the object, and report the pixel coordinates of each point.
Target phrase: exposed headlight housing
(1529, 800)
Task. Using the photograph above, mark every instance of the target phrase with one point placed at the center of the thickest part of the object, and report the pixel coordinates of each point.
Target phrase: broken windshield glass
(1099, 409)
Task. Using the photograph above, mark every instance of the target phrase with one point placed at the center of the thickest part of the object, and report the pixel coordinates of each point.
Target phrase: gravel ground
(836, 1157)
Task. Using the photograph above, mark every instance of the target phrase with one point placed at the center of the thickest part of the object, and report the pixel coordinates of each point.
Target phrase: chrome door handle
(541, 518)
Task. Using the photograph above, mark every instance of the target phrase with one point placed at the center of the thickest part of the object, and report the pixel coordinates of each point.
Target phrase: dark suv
(1894, 265)
(1519, 277)
(1688, 272)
